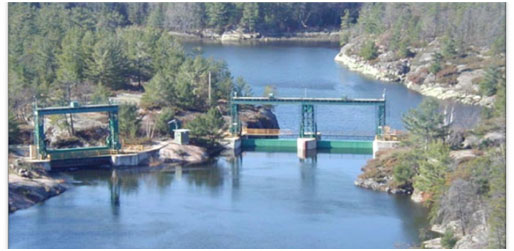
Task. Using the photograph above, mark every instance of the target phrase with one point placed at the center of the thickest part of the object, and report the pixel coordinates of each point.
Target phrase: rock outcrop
(27, 188)
(259, 117)
(183, 154)
(414, 74)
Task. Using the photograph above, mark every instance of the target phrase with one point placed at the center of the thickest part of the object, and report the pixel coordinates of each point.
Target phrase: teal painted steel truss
(112, 141)
(308, 126)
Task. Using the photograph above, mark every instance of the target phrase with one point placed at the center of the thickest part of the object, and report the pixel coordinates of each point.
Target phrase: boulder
(187, 154)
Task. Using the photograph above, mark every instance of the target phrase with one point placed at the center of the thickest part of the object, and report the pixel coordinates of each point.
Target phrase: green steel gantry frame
(112, 141)
(308, 126)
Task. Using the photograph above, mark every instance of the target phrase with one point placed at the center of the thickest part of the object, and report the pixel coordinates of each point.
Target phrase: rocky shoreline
(413, 73)
(239, 36)
(27, 189)
(379, 177)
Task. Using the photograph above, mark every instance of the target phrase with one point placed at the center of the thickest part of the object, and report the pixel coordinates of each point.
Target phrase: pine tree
(156, 17)
(108, 64)
(369, 51)
(217, 15)
(71, 60)
(137, 13)
(433, 170)
(489, 84)
(426, 121)
(250, 16)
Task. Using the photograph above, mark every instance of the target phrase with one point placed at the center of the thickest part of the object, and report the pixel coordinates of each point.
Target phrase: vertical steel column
(308, 127)
(113, 141)
(39, 134)
(235, 124)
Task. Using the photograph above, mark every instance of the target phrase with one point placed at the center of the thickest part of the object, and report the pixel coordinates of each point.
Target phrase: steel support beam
(308, 127)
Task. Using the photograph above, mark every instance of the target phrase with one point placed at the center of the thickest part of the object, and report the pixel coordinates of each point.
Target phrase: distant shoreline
(236, 37)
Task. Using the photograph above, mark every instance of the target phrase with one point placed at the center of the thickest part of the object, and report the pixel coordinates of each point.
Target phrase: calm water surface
(257, 200)
(298, 70)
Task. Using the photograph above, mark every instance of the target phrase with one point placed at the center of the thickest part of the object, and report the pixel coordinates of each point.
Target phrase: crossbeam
(80, 109)
(305, 101)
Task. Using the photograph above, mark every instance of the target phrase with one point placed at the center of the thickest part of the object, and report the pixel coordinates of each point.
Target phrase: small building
(182, 136)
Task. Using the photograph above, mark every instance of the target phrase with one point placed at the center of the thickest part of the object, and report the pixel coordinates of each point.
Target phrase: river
(255, 200)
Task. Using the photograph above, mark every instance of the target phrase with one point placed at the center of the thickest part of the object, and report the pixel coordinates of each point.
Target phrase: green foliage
(406, 167)
(71, 60)
(500, 103)
(218, 15)
(433, 169)
(346, 20)
(108, 65)
(138, 49)
(435, 67)
(403, 173)
(489, 84)
(426, 121)
(207, 128)
(159, 92)
(448, 48)
(157, 16)
(403, 51)
(129, 120)
(161, 124)
(100, 95)
(448, 240)
(370, 18)
(498, 218)
(344, 38)
(14, 129)
(250, 17)
(137, 13)
(369, 50)
(242, 89)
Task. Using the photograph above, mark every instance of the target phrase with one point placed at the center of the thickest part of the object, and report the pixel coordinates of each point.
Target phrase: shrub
(166, 115)
(369, 51)
(129, 120)
(403, 174)
(207, 128)
(448, 240)
(435, 67)
(344, 38)
(489, 84)
(403, 50)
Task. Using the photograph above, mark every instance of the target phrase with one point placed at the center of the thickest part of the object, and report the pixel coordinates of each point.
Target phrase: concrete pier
(303, 144)
(383, 144)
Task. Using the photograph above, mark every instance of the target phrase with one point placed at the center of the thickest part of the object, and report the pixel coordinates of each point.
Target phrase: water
(260, 200)
(298, 70)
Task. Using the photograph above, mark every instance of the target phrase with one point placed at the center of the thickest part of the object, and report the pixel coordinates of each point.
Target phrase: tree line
(58, 53)
(402, 25)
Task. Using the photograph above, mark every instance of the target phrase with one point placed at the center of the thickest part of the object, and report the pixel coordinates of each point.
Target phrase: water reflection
(210, 177)
(114, 188)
